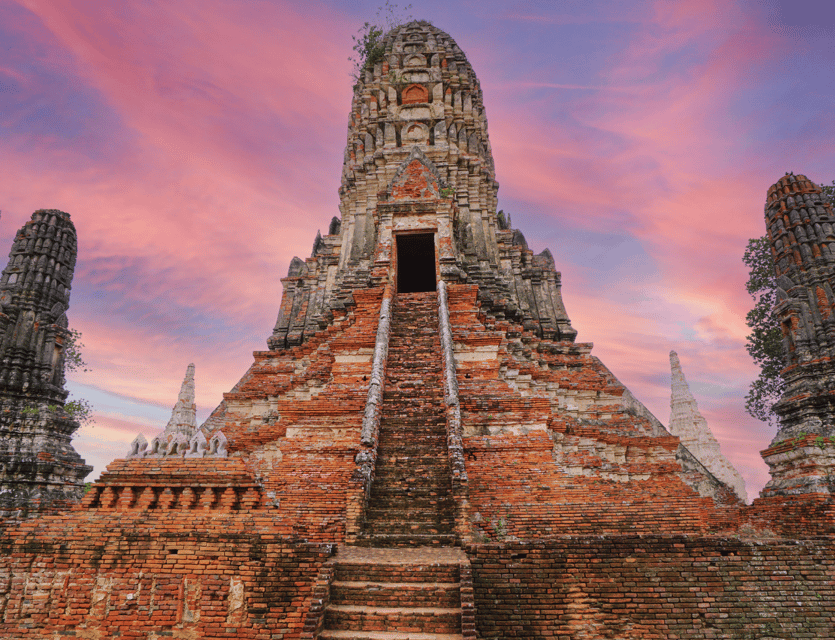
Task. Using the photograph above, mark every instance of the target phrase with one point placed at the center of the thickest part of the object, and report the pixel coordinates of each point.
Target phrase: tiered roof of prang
(422, 99)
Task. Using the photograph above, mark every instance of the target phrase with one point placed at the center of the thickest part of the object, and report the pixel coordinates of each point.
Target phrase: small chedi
(690, 426)
(425, 450)
(39, 469)
(181, 436)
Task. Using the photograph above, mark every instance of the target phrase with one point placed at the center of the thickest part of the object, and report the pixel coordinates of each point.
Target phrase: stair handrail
(455, 433)
(371, 417)
(370, 432)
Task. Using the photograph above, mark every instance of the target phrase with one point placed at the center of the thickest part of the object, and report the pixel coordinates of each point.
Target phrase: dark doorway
(415, 263)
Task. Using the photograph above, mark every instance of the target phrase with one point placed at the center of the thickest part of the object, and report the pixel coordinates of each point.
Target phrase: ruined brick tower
(800, 227)
(418, 200)
(39, 469)
(424, 450)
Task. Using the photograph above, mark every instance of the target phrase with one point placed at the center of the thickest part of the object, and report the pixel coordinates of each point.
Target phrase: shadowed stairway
(404, 580)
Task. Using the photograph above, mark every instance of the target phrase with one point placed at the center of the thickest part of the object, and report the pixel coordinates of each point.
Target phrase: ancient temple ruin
(424, 450)
(39, 469)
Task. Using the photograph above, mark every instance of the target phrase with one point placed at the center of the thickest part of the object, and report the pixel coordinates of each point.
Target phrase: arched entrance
(415, 262)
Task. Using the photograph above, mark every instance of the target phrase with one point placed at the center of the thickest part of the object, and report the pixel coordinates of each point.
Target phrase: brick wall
(655, 587)
(107, 576)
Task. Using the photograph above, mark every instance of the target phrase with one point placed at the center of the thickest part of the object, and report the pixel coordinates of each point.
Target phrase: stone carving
(688, 424)
(181, 437)
(39, 469)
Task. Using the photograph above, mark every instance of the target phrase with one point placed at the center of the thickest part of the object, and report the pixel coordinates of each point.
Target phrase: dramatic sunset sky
(197, 145)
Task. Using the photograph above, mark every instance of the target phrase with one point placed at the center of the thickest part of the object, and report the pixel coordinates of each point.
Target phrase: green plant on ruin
(503, 220)
(78, 409)
(368, 45)
(501, 528)
(73, 360)
(765, 342)
(29, 411)
(828, 191)
(447, 192)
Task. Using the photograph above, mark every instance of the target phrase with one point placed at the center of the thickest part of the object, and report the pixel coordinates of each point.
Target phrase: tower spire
(184, 414)
(691, 428)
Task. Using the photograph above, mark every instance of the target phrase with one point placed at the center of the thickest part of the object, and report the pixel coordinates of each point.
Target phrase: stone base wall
(801, 516)
(655, 587)
(213, 579)
(210, 579)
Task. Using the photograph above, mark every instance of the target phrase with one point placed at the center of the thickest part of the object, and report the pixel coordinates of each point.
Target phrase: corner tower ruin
(800, 228)
(39, 469)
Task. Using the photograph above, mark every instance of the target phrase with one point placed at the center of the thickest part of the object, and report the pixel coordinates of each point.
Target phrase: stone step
(413, 456)
(405, 502)
(406, 386)
(403, 363)
(440, 512)
(422, 449)
(431, 396)
(401, 619)
(407, 430)
(412, 466)
(393, 437)
(430, 424)
(428, 401)
(429, 454)
(415, 465)
(408, 413)
(393, 594)
(434, 478)
(415, 330)
(410, 432)
(404, 416)
(397, 497)
(387, 635)
(437, 506)
(368, 571)
(388, 526)
(409, 503)
(440, 490)
(406, 540)
(412, 401)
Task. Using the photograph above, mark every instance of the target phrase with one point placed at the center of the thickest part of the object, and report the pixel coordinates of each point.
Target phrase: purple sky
(197, 145)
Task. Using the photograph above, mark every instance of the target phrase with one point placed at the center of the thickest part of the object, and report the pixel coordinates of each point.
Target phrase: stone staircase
(398, 594)
(411, 502)
(405, 579)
